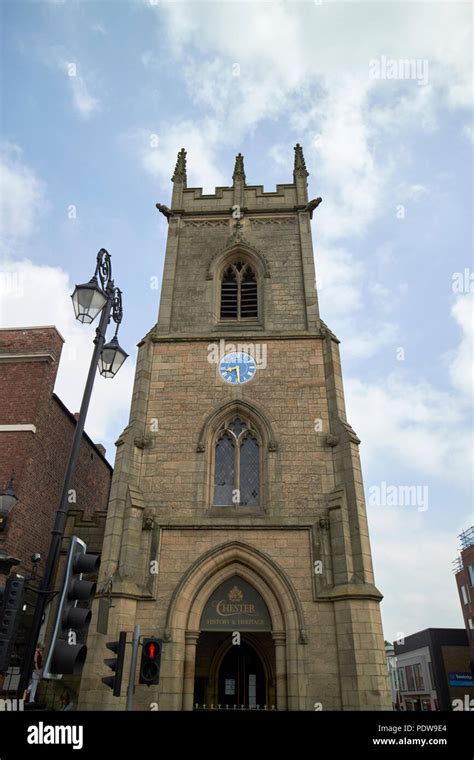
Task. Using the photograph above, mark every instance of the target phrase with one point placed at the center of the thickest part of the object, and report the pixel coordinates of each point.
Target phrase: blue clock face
(237, 368)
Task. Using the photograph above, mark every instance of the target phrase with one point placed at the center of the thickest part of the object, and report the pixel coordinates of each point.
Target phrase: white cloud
(147, 58)
(99, 29)
(413, 570)
(76, 73)
(31, 294)
(412, 192)
(40, 295)
(413, 425)
(22, 198)
(310, 62)
(468, 131)
(343, 160)
(84, 103)
(338, 279)
(281, 46)
(462, 365)
(157, 151)
(361, 344)
(426, 432)
(326, 37)
(279, 155)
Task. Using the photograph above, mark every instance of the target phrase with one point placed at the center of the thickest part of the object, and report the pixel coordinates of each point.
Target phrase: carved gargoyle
(312, 205)
(148, 521)
(165, 210)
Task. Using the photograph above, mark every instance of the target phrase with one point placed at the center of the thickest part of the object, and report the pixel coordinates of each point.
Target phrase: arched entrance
(242, 679)
(196, 647)
(235, 658)
(228, 674)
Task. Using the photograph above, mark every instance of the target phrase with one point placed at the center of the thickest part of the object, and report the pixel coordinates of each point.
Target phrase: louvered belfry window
(237, 466)
(239, 296)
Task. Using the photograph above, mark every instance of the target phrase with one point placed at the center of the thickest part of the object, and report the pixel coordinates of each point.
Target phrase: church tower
(237, 529)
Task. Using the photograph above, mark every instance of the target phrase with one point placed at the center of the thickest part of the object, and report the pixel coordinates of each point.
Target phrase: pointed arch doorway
(184, 625)
(229, 674)
(235, 653)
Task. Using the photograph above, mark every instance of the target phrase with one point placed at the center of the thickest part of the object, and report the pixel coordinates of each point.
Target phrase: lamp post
(98, 296)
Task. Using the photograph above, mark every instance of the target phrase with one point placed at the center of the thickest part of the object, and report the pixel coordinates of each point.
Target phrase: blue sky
(391, 157)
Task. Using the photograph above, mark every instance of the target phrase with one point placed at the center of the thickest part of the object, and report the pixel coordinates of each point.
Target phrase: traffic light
(67, 651)
(116, 663)
(11, 608)
(151, 659)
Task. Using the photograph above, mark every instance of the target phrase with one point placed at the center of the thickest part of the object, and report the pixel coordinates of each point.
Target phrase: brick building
(237, 504)
(464, 574)
(35, 437)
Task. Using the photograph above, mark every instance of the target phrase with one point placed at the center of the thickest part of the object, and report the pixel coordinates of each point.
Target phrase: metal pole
(133, 667)
(45, 587)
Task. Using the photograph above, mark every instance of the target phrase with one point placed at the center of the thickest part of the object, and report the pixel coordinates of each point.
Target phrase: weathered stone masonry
(305, 548)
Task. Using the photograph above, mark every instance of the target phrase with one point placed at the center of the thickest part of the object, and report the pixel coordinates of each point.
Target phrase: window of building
(401, 679)
(470, 624)
(464, 595)
(430, 670)
(470, 570)
(239, 292)
(418, 676)
(237, 465)
(410, 677)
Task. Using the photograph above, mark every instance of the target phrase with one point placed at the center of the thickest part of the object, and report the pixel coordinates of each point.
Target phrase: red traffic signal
(151, 660)
(152, 649)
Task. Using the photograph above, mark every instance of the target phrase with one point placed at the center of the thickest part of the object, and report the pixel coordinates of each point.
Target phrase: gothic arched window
(237, 465)
(239, 292)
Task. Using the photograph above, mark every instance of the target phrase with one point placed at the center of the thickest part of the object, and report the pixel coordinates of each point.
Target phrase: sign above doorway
(235, 606)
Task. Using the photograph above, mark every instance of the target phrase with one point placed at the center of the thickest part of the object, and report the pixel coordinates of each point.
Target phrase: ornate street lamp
(111, 359)
(88, 300)
(8, 499)
(98, 296)
(112, 355)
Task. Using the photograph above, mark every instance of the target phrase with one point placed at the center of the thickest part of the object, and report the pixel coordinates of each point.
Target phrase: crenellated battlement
(252, 198)
(255, 198)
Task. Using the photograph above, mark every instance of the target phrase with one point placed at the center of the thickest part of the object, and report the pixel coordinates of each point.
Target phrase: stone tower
(237, 528)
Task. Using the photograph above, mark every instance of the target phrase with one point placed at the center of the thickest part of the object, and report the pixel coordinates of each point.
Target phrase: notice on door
(230, 686)
(252, 691)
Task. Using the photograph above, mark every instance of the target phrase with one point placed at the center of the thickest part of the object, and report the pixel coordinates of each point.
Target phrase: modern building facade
(432, 669)
(237, 528)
